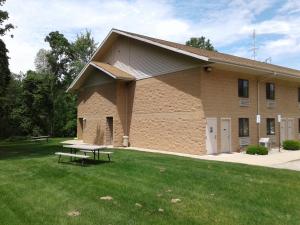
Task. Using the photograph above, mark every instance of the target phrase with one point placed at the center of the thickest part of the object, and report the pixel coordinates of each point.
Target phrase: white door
(211, 135)
(283, 130)
(225, 135)
(290, 129)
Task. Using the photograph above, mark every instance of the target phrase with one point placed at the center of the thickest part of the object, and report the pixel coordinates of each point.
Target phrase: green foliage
(4, 70)
(291, 145)
(200, 43)
(258, 150)
(83, 49)
(4, 16)
(36, 102)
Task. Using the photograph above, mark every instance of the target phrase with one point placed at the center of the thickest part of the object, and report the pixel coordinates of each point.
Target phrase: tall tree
(3, 17)
(200, 42)
(83, 49)
(59, 56)
(4, 69)
(41, 61)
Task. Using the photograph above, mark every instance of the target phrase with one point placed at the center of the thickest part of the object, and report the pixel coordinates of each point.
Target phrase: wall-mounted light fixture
(208, 69)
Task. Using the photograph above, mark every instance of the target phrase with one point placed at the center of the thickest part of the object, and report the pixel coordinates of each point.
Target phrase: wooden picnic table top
(86, 147)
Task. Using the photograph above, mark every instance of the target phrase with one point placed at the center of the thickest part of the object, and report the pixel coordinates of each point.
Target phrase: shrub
(291, 145)
(259, 150)
(251, 150)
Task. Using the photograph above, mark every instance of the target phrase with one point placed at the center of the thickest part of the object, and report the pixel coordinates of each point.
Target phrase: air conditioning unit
(271, 104)
(244, 141)
(244, 102)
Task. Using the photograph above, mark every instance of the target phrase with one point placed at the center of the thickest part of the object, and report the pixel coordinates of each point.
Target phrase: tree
(200, 43)
(4, 69)
(60, 55)
(83, 49)
(41, 61)
(4, 16)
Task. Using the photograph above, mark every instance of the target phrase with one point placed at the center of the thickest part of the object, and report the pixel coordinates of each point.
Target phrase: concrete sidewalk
(275, 159)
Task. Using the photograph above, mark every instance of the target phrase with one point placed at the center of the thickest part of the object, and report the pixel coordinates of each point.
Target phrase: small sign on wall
(257, 118)
(279, 118)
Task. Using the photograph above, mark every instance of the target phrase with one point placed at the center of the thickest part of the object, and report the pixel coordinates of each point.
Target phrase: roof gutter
(274, 73)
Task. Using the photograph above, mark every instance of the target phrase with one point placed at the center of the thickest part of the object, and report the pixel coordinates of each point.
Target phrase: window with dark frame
(243, 88)
(270, 126)
(270, 91)
(243, 127)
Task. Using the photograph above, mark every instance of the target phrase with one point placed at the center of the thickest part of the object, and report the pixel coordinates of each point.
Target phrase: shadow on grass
(29, 149)
(87, 162)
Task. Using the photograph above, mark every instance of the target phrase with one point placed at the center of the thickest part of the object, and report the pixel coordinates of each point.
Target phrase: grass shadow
(29, 149)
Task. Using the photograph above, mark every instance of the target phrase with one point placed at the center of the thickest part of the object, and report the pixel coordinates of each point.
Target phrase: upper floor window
(299, 94)
(270, 91)
(243, 88)
(243, 127)
(270, 126)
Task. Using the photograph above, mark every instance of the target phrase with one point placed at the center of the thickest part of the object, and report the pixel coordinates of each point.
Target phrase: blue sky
(228, 23)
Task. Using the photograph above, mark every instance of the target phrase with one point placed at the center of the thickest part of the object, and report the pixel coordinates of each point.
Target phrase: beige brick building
(172, 97)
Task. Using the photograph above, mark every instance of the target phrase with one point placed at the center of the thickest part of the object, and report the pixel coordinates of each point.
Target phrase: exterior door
(283, 129)
(290, 129)
(80, 129)
(225, 135)
(109, 130)
(287, 129)
(211, 135)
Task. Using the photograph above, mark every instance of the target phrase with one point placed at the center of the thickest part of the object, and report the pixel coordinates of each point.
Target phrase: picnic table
(40, 138)
(88, 149)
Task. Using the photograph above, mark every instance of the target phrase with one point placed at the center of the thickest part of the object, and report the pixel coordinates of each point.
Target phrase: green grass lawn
(35, 190)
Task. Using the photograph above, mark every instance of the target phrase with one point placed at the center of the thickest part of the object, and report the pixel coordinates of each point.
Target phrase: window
(243, 127)
(243, 88)
(299, 95)
(270, 91)
(270, 126)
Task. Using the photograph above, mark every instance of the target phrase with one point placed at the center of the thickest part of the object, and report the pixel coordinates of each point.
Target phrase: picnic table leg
(59, 158)
(108, 157)
(94, 155)
(98, 154)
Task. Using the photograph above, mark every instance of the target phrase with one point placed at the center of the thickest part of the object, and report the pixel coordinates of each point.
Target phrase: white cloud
(225, 23)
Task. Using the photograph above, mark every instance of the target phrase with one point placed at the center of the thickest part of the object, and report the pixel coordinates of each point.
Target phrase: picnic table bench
(94, 149)
(40, 138)
(99, 152)
(82, 157)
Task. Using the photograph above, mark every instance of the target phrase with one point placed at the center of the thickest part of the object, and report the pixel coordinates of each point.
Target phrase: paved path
(283, 159)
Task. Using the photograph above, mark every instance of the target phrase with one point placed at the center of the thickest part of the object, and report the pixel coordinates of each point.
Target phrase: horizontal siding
(144, 60)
